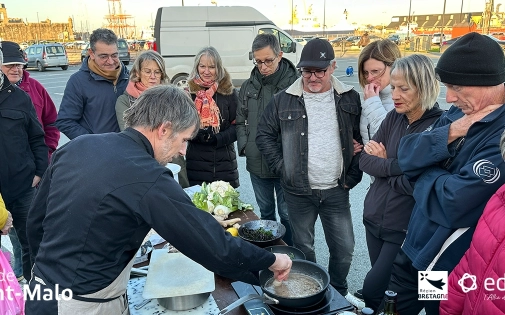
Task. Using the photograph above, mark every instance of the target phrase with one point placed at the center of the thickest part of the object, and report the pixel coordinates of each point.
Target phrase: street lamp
(324, 17)
(408, 22)
(292, 17)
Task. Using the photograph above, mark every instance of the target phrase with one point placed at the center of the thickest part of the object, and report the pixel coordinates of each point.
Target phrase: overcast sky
(374, 12)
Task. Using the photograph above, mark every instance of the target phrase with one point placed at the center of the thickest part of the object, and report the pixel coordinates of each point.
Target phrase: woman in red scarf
(147, 71)
(211, 154)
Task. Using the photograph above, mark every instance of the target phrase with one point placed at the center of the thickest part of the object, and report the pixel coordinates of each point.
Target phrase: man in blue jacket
(89, 103)
(456, 165)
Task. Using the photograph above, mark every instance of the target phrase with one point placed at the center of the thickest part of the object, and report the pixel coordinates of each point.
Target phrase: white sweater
(373, 112)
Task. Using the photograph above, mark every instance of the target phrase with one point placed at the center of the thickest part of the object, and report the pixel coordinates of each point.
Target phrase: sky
(90, 13)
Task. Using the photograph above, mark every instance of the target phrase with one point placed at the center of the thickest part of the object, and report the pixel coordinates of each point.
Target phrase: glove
(206, 136)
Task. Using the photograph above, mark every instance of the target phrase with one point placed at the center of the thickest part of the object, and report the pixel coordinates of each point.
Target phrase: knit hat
(317, 53)
(473, 60)
(12, 53)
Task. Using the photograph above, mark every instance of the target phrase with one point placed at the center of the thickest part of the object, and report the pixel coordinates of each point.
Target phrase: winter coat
(88, 105)
(389, 202)
(285, 115)
(373, 112)
(23, 152)
(101, 196)
(44, 106)
(453, 184)
(206, 162)
(484, 259)
(254, 96)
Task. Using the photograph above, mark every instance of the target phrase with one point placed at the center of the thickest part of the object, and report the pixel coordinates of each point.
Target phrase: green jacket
(254, 96)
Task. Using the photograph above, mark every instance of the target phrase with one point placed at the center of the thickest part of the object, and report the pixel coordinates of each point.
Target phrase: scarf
(134, 89)
(210, 116)
(109, 75)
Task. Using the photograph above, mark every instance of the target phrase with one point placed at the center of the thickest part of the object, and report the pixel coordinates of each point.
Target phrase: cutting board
(173, 274)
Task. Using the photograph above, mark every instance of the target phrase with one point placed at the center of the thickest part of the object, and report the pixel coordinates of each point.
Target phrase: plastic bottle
(349, 71)
(389, 304)
(367, 311)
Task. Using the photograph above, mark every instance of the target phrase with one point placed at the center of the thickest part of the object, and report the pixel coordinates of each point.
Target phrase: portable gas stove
(332, 303)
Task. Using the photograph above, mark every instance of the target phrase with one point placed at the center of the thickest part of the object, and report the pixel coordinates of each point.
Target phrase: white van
(181, 32)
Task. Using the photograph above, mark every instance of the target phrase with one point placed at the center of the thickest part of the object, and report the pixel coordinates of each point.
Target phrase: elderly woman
(211, 154)
(147, 71)
(389, 202)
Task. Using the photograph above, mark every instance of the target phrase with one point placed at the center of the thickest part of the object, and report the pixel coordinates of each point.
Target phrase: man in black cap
(306, 136)
(456, 165)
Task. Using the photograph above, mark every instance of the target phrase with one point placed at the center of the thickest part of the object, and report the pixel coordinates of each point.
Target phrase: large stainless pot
(185, 302)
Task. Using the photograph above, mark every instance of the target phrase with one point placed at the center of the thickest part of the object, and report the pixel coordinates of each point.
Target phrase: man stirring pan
(103, 193)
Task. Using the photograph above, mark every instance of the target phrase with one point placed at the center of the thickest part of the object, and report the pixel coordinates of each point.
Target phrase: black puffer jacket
(208, 162)
(23, 152)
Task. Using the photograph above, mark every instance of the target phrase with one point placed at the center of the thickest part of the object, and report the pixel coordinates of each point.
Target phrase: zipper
(368, 130)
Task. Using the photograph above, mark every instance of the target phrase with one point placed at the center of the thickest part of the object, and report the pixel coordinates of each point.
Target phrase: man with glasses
(88, 105)
(306, 136)
(272, 74)
(12, 67)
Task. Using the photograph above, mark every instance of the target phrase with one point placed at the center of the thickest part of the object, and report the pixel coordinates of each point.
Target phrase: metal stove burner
(322, 307)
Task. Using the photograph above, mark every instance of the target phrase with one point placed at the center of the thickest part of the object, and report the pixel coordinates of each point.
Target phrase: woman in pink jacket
(480, 270)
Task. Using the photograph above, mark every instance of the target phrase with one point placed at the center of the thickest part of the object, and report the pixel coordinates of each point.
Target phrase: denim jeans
(333, 208)
(266, 190)
(17, 265)
(19, 210)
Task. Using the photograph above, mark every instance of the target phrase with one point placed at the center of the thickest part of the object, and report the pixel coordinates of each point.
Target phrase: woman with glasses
(211, 154)
(389, 201)
(147, 71)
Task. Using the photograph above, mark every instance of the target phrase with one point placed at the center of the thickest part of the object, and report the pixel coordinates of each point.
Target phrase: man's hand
(357, 147)
(376, 149)
(371, 90)
(35, 181)
(459, 128)
(281, 267)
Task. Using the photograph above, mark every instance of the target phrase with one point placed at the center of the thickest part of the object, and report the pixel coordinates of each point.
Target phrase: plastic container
(175, 170)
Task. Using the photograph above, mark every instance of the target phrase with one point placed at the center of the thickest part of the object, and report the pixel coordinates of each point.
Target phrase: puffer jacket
(484, 259)
(389, 202)
(210, 162)
(285, 115)
(373, 112)
(254, 96)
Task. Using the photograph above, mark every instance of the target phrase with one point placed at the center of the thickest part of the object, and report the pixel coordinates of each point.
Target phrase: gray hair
(419, 73)
(102, 35)
(146, 56)
(212, 53)
(161, 104)
(266, 40)
(382, 50)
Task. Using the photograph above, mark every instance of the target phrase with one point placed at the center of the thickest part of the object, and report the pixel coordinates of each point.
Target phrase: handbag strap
(454, 236)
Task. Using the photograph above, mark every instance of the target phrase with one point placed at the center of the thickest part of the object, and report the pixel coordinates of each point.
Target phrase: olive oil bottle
(389, 304)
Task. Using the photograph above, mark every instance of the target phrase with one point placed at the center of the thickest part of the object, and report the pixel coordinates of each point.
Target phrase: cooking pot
(185, 302)
(304, 267)
(292, 252)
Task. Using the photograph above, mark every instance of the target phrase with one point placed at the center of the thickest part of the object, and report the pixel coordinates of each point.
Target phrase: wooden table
(224, 294)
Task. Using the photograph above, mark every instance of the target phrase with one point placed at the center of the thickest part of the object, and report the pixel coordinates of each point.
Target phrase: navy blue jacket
(451, 187)
(89, 103)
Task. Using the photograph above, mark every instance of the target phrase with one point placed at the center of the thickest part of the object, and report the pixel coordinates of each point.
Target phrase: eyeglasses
(267, 62)
(318, 73)
(374, 73)
(105, 57)
(148, 72)
(15, 65)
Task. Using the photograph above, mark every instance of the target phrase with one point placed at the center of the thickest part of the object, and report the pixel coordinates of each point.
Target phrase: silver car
(42, 56)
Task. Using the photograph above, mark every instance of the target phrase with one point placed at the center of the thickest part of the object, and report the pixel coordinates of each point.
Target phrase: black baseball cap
(12, 53)
(317, 53)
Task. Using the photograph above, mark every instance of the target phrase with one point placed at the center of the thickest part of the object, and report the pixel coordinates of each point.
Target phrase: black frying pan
(292, 252)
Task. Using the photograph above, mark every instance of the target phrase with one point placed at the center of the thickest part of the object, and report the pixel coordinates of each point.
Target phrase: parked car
(499, 41)
(436, 40)
(23, 45)
(122, 45)
(446, 43)
(499, 35)
(302, 41)
(395, 38)
(42, 56)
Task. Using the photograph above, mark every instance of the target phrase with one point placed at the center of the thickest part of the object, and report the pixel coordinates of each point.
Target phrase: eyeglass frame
(12, 65)
(367, 74)
(157, 73)
(314, 73)
(105, 57)
(267, 62)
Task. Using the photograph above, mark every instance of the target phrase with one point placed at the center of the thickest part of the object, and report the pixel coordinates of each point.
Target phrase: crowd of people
(307, 139)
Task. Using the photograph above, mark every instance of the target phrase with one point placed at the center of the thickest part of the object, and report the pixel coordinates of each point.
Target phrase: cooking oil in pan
(296, 286)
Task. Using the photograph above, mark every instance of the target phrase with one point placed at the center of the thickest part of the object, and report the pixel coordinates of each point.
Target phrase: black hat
(12, 53)
(317, 53)
(473, 60)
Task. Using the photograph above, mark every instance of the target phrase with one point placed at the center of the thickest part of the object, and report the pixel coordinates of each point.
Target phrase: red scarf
(210, 115)
(134, 89)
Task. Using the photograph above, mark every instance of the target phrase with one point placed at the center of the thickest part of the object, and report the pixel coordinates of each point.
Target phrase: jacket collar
(124, 75)
(296, 88)
(140, 139)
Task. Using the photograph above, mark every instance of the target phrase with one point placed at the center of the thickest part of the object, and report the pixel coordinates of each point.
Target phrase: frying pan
(299, 266)
(292, 252)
